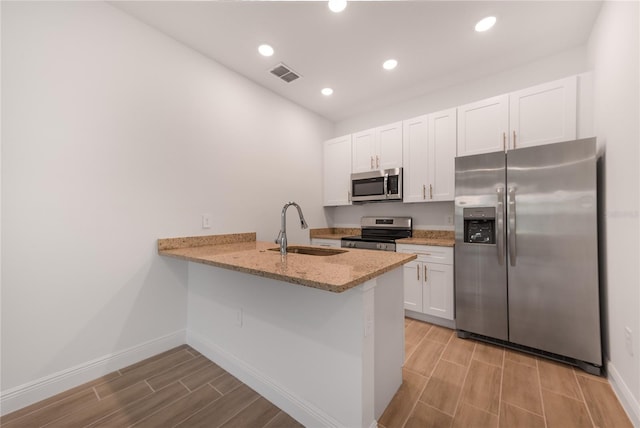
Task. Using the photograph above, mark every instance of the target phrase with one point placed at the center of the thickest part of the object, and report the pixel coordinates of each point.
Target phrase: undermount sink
(311, 251)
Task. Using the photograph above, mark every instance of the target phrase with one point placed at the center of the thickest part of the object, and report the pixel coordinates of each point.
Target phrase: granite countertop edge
(242, 253)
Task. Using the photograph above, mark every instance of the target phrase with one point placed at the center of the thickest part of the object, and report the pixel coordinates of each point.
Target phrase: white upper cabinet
(378, 148)
(337, 171)
(442, 154)
(429, 150)
(415, 153)
(543, 114)
(483, 126)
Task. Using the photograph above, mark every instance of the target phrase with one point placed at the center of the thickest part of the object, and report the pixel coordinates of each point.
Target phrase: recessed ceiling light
(327, 91)
(265, 50)
(390, 64)
(485, 23)
(337, 5)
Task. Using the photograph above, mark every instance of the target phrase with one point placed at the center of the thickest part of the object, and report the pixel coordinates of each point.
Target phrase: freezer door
(480, 264)
(553, 252)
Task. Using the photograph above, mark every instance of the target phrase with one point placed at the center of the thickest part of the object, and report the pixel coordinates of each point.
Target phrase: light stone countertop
(241, 252)
(439, 238)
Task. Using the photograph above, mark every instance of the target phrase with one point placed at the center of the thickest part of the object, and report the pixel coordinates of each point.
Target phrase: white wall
(613, 54)
(115, 135)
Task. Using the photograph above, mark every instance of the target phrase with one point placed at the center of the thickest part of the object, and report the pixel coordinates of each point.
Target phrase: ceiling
(433, 41)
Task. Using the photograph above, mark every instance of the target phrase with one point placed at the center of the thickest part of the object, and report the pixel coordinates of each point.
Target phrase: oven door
(379, 185)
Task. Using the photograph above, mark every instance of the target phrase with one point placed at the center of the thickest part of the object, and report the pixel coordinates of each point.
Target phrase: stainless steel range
(379, 233)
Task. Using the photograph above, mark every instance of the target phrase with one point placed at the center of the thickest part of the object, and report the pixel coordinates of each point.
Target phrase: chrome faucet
(282, 236)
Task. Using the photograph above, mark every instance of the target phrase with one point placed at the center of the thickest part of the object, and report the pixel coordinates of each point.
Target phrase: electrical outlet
(628, 340)
(449, 220)
(206, 221)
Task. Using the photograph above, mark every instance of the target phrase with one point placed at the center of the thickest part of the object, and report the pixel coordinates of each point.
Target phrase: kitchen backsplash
(429, 215)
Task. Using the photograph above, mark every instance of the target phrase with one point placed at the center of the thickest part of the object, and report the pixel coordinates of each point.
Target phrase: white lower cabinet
(333, 243)
(428, 281)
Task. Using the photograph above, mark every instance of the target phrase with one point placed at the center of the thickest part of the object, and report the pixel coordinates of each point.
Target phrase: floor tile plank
(459, 351)
(257, 414)
(425, 416)
(202, 376)
(512, 416)
(440, 334)
(520, 357)
(225, 383)
(178, 372)
(181, 409)
(402, 403)
(130, 414)
(482, 387)
(444, 387)
(89, 414)
(558, 378)
(564, 412)
(490, 354)
(605, 409)
(54, 411)
(520, 386)
(221, 410)
(468, 416)
(142, 371)
(424, 358)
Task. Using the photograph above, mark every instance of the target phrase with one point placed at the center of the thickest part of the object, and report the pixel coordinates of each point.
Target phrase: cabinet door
(437, 295)
(413, 286)
(363, 144)
(543, 114)
(483, 126)
(337, 171)
(414, 153)
(442, 153)
(389, 146)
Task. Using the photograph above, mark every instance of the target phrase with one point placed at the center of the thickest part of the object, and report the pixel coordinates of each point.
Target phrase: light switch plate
(206, 221)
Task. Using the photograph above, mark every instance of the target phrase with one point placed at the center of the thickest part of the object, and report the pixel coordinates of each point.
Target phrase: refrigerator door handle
(500, 224)
(512, 226)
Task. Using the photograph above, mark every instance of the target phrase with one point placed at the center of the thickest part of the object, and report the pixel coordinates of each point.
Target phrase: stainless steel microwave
(382, 185)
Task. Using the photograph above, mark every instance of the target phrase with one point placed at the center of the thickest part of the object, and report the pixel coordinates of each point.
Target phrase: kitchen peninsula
(322, 337)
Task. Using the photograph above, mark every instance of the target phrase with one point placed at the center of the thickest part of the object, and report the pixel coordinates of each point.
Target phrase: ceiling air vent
(284, 72)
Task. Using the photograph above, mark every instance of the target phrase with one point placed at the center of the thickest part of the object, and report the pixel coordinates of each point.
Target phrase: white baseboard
(301, 410)
(430, 319)
(40, 389)
(629, 402)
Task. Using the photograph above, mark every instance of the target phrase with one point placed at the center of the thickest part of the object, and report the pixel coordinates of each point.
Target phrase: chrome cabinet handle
(349, 195)
(424, 191)
(425, 273)
(430, 191)
(371, 162)
(512, 226)
(377, 162)
(418, 272)
(500, 224)
(514, 139)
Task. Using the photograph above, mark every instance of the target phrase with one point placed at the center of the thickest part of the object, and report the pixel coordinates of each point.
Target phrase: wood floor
(178, 388)
(452, 382)
(447, 382)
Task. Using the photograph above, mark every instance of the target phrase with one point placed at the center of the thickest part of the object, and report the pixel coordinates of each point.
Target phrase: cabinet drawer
(428, 253)
(333, 243)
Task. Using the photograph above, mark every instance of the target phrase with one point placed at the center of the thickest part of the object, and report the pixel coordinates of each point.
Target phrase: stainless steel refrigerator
(526, 253)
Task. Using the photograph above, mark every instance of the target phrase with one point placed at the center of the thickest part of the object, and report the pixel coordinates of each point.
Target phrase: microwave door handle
(386, 185)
